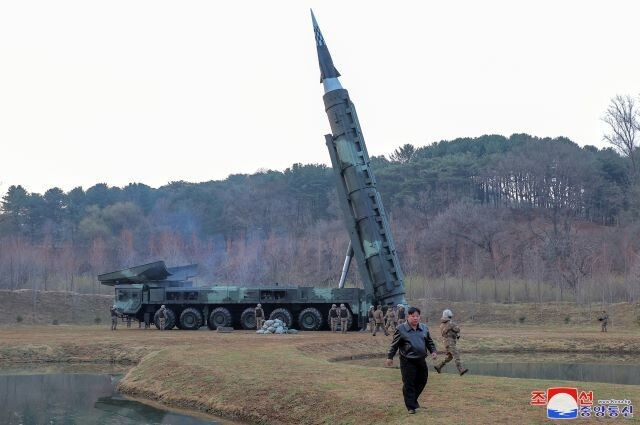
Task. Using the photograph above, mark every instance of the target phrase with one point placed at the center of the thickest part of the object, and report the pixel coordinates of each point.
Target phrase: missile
(371, 241)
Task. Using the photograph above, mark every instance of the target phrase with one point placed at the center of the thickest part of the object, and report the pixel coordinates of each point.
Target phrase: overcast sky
(158, 91)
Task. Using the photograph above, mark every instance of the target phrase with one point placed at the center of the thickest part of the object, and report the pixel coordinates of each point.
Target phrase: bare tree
(623, 118)
(476, 225)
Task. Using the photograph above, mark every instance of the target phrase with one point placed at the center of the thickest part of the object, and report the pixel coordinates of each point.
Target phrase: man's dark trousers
(414, 379)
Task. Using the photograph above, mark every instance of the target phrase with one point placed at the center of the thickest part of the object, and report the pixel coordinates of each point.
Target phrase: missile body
(371, 240)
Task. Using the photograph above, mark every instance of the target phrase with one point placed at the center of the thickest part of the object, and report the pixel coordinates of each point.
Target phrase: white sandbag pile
(276, 326)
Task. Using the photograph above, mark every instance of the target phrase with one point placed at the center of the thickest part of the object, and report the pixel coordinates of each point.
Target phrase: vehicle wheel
(170, 320)
(248, 318)
(282, 314)
(191, 319)
(219, 317)
(310, 319)
(349, 322)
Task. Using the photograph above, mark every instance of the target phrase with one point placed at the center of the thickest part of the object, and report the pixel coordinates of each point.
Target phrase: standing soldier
(401, 314)
(128, 321)
(390, 319)
(114, 317)
(162, 316)
(344, 318)
(379, 319)
(604, 321)
(372, 321)
(333, 317)
(259, 312)
(450, 335)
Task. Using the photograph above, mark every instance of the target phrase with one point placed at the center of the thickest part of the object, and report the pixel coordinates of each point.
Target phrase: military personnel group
(378, 321)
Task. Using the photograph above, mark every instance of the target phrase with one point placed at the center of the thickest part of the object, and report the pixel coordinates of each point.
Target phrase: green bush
(55, 322)
(97, 320)
(19, 319)
(567, 319)
(522, 318)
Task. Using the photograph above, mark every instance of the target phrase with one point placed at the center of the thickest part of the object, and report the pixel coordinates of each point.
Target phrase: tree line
(512, 218)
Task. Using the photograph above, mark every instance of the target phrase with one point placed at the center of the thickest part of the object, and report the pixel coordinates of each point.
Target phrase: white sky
(156, 91)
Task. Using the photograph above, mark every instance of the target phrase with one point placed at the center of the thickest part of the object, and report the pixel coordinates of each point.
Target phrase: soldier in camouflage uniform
(450, 335)
(114, 317)
(162, 317)
(402, 315)
(259, 312)
(390, 319)
(604, 321)
(333, 317)
(344, 318)
(379, 319)
(372, 321)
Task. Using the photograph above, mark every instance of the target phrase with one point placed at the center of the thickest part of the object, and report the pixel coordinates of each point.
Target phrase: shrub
(522, 318)
(567, 319)
(19, 319)
(97, 320)
(55, 322)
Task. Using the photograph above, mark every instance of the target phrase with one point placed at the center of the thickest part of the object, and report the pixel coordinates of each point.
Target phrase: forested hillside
(490, 218)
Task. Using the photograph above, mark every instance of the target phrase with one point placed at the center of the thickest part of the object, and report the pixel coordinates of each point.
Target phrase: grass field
(295, 379)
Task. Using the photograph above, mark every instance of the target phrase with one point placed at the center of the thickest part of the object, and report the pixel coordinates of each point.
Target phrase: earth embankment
(26, 306)
(294, 379)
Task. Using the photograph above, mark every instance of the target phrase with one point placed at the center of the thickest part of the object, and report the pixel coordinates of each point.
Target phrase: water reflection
(584, 368)
(585, 372)
(69, 399)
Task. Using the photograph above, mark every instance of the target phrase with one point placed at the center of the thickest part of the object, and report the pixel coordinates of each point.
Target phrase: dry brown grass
(291, 379)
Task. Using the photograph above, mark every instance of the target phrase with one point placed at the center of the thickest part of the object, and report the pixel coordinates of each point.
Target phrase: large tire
(191, 319)
(349, 323)
(220, 317)
(248, 318)
(310, 319)
(169, 322)
(282, 314)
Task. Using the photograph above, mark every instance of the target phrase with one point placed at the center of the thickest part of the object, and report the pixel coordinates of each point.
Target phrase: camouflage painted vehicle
(141, 290)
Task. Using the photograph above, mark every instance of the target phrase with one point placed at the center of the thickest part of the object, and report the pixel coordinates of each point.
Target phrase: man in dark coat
(413, 340)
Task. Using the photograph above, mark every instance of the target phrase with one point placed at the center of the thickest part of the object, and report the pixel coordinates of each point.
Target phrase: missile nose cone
(327, 70)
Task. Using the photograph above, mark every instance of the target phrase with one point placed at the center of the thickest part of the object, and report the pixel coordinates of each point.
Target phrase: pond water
(36, 397)
(585, 368)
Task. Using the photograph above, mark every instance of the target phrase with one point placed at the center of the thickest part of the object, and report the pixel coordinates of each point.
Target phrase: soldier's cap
(162, 306)
(400, 306)
(114, 306)
(370, 307)
(341, 305)
(259, 305)
(333, 305)
(447, 314)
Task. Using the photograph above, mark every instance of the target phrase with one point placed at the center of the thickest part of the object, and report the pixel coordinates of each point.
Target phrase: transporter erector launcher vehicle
(140, 291)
